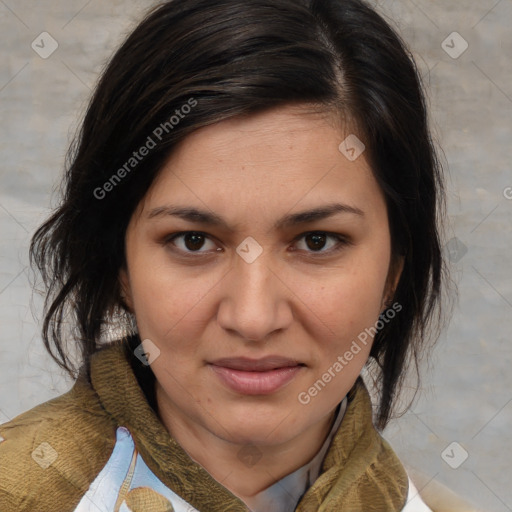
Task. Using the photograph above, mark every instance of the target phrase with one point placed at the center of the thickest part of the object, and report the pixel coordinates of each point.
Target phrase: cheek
(348, 298)
(168, 303)
(346, 310)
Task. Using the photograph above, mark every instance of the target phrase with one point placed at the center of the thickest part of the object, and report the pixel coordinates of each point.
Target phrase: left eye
(316, 241)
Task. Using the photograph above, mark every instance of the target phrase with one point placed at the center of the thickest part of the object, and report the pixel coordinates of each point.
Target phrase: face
(253, 303)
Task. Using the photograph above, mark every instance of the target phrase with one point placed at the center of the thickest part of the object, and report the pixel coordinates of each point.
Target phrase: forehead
(272, 160)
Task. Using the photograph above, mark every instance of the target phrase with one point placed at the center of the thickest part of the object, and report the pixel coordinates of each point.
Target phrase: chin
(259, 426)
(257, 435)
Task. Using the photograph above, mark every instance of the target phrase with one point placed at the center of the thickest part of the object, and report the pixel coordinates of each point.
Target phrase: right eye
(188, 242)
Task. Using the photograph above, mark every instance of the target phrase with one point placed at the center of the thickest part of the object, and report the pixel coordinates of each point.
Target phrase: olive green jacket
(101, 447)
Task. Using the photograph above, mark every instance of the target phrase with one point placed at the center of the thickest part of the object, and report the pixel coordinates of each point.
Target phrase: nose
(255, 302)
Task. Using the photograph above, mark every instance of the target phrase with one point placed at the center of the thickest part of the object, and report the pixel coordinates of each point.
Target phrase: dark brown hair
(229, 58)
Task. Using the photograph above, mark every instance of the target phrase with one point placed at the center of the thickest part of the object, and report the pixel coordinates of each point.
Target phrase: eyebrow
(198, 216)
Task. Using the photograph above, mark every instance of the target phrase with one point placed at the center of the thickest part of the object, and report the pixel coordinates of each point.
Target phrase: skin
(198, 303)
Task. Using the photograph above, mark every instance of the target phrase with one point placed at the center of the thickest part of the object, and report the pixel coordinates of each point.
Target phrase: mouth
(256, 376)
(256, 365)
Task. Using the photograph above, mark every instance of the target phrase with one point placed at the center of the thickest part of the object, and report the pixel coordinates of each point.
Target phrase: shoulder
(435, 495)
(414, 500)
(50, 454)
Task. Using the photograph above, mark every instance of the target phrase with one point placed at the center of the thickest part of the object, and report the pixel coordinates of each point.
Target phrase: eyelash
(342, 242)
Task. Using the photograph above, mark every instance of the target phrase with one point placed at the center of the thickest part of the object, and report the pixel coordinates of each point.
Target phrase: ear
(395, 271)
(125, 289)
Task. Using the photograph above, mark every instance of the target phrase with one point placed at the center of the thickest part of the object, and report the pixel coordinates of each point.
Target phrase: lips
(256, 365)
(256, 376)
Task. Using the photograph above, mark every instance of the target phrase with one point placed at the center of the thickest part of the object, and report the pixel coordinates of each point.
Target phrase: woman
(254, 196)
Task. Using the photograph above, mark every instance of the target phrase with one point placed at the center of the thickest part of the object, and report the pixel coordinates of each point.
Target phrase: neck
(243, 469)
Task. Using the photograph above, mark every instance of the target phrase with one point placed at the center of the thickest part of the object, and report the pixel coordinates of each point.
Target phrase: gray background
(466, 395)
